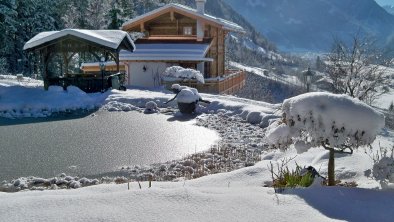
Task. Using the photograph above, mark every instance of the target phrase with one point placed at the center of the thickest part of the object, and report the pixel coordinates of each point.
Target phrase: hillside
(312, 25)
(389, 9)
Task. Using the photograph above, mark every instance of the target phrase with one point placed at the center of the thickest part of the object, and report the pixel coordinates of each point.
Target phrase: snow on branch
(313, 119)
(179, 72)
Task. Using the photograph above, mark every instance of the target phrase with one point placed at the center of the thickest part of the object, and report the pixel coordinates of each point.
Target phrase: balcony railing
(231, 82)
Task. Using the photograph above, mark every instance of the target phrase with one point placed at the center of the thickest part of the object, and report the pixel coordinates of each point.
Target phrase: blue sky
(385, 2)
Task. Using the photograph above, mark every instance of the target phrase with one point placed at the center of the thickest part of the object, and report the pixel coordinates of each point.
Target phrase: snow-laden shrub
(179, 72)
(316, 118)
(339, 123)
(384, 169)
(75, 184)
(187, 96)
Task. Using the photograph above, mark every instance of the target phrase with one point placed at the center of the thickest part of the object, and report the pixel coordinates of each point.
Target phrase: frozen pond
(95, 144)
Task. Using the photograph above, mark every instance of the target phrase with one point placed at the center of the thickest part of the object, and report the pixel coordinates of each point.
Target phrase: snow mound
(179, 72)
(151, 107)
(18, 101)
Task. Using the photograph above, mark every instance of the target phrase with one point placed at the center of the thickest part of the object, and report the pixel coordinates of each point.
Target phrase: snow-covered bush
(339, 123)
(3, 65)
(384, 169)
(179, 72)
(187, 96)
(151, 107)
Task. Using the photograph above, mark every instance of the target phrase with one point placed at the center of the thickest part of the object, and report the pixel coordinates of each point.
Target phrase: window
(187, 30)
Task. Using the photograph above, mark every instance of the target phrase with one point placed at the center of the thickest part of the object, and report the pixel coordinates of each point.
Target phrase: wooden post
(331, 168)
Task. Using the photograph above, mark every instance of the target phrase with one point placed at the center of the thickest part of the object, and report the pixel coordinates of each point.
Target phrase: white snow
(182, 73)
(31, 100)
(233, 196)
(109, 38)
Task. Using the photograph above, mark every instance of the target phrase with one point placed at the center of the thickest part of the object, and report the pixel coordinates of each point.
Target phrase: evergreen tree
(8, 22)
(81, 18)
(128, 9)
(95, 12)
(114, 15)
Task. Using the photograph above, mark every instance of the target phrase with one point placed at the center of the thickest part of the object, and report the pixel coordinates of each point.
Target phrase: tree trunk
(331, 168)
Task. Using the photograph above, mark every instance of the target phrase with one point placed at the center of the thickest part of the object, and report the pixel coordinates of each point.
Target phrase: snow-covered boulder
(151, 107)
(254, 117)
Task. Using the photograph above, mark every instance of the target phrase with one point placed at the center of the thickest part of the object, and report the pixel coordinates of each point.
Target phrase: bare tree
(357, 69)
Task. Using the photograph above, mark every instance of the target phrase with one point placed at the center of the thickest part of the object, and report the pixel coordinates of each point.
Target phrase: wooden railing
(229, 83)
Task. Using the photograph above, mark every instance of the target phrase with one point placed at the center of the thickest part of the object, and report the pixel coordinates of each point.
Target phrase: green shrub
(286, 178)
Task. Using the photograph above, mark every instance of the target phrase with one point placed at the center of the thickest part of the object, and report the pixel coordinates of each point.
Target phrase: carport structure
(62, 52)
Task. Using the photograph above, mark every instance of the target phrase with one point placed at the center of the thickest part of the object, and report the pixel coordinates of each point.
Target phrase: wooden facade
(170, 27)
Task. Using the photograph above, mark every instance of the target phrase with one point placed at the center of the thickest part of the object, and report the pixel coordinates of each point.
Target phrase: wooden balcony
(229, 83)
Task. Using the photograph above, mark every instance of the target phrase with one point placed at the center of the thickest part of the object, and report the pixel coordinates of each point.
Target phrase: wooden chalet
(178, 35)
(63, 52)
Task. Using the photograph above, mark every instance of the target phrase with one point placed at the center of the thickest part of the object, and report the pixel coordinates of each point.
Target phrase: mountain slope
(389, 9)
(312, 25)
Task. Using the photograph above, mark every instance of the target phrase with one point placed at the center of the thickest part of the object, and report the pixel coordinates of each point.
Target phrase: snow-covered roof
(108, 38)
(167, 52)
(225, 24)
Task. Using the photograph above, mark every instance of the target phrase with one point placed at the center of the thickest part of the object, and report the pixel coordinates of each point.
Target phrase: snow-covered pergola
(73, 47)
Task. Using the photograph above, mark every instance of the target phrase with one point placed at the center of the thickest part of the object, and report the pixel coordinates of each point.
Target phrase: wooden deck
(230, 83)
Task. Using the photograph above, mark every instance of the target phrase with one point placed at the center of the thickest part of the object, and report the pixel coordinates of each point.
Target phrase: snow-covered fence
(228, 84)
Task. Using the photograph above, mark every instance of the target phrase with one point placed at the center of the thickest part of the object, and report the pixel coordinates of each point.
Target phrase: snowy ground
(234, 196)
(239, 195)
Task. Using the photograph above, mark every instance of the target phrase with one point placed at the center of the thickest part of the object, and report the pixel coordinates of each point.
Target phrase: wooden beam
(172, 16)
(142, 27)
